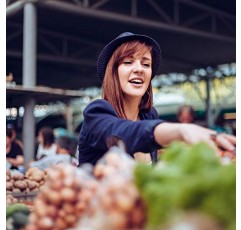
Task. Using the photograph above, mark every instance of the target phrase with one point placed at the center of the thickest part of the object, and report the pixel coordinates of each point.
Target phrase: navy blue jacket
(101, 122)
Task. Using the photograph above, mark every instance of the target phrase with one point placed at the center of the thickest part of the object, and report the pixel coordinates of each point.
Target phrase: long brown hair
(111, 89)
(48, 136)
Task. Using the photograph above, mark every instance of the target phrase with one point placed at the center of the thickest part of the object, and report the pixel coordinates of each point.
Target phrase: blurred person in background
(14, 153)
(185, 114)
(126, 67)
(46, 145)
(58, 132)
(65, 146)
(62, 155)
(14, 135)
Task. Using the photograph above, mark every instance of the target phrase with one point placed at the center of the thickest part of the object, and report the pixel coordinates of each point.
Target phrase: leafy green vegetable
(188, 177)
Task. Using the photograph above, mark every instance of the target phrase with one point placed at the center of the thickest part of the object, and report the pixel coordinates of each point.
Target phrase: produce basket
(24, 196)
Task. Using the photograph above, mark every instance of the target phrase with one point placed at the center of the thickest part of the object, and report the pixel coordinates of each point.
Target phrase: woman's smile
(136, 82)
(135, 74)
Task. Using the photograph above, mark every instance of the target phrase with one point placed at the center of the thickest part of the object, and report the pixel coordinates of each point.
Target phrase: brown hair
(187, 108)
(48, 135)
(111, 89)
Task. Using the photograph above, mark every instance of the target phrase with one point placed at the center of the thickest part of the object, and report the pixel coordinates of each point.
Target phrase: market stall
(18, 95)
(120, 194)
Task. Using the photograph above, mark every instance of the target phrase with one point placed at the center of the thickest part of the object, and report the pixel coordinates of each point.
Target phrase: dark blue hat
(109, 49)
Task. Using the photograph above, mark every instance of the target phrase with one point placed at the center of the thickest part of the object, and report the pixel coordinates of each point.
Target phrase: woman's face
(8, 143)
(40, 138)
(135, 75)
(185, 117)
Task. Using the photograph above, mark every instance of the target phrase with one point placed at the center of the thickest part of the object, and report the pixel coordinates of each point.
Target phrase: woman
(14, 153)
(185, 114)
(46, 146)
(14, 138)
(126, 66)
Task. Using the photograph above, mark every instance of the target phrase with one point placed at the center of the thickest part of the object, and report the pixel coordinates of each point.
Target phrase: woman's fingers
(192, 134)
(226, 141)
(231, 138)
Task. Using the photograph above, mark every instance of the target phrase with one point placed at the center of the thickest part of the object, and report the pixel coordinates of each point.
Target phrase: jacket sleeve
(101, 122)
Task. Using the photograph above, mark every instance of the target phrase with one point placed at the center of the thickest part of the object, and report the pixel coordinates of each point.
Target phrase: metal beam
(78, 53)
(14, 8)
(29, 78)
(176, 12)
(99, 4)
(17, 6)
(137, 21)
(70, 38)
(209, 117)
(86, 3)
(160, 11)
(77, 2)
(28, 131)
(13, 35)
(207, 8)
(54, 59)
(59, 35)
(196, 19)
(29, 44)
(8, 2)
(48, 44)
(77, 61)
(134, 8)
(227, 24)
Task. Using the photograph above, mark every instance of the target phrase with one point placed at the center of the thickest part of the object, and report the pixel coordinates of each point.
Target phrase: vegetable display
(189, 186)
(16, 216)
(188, 178)
(102, 197)
(31, 181)
(61, 201)
(117, 204)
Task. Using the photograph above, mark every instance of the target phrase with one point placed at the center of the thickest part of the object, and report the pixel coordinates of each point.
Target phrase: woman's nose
(138, 67)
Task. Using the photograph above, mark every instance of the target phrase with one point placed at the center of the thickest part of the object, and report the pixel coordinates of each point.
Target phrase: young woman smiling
(126, 67)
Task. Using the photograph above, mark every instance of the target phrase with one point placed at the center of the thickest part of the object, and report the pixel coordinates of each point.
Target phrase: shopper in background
(63, 155)
(46, 145)
(65, 146)
(185, 114)
(126, 66)
(14, 153)
(14, 138)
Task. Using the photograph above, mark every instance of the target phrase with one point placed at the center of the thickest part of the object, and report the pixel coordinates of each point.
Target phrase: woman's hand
(165, 133)
(192, 133)
(225, 141)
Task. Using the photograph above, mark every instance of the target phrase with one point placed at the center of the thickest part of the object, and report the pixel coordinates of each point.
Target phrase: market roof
(17, 94)
(191, 33)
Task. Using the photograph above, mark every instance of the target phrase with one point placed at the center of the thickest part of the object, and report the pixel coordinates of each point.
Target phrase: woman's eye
(127, 62)
(146, 65)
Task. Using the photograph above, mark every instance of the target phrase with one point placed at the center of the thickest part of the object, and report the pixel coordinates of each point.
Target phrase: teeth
(137, 81)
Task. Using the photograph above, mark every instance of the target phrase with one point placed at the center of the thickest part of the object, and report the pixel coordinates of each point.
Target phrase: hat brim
(109, 49)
